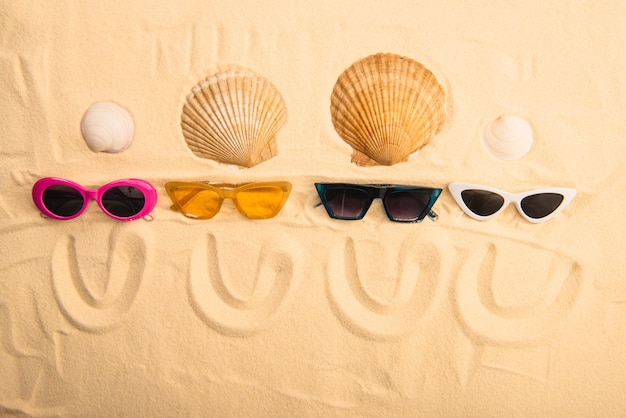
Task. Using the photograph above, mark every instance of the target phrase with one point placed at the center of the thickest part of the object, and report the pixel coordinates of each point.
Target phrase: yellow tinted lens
(261, 202)
(196, 202)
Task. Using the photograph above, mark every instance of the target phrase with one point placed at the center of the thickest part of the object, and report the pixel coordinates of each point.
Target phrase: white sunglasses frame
(457, 188)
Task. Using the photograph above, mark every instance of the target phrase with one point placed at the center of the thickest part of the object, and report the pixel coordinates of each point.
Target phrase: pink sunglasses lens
(123, 201)
(63, 201)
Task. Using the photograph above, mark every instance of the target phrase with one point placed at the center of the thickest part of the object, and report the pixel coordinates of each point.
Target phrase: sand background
(302, 315)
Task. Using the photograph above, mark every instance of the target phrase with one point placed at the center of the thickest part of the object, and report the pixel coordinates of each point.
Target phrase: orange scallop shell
(233, 117)
(386, 107)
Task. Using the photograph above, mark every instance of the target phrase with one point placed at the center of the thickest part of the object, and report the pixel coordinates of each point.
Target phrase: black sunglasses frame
(379, 191)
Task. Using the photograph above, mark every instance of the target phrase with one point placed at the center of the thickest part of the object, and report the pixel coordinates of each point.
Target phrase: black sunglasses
(402, 203)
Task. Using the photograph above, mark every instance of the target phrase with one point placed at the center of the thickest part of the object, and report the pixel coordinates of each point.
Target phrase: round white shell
(107, 127)
(508, 137)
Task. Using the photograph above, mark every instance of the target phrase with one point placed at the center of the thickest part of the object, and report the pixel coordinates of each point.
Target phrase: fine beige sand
(303, 315)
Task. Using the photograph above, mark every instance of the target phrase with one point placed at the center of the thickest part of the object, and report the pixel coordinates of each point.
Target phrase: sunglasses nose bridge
(229, 193)
(91, 194)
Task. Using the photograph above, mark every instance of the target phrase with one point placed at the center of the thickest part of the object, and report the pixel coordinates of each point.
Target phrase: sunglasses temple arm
(182, 202)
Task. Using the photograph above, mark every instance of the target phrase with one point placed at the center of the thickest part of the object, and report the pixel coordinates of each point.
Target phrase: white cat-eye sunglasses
(484, 202)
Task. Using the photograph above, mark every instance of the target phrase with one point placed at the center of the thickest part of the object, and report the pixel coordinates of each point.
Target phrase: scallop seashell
(386, 107)
(508, 137)
(107, 127)
(233, 117)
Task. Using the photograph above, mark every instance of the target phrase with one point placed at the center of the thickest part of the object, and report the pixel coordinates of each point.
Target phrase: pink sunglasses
(125, 200)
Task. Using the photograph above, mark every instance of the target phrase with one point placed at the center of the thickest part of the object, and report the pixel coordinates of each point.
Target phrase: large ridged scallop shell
(233, 117)
(386, 107)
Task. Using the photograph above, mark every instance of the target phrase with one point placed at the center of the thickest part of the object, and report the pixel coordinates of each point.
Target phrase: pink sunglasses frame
(146, 188)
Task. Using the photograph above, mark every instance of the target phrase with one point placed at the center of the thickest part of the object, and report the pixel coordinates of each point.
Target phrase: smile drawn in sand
(407, 291)
(214, 294)
(96, 304)
(508, 320)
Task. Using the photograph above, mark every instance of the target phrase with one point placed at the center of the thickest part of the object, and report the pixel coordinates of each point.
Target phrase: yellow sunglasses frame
(223, 191)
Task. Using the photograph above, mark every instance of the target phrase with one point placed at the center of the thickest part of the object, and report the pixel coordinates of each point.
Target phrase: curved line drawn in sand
(487, 319)
(238, 313)
(411, 282)
(86, 309)
(509, 312)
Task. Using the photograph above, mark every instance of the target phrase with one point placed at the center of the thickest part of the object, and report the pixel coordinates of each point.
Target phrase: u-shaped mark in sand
(99, 311)
(242, 313)
(412, 277)
(484, 317)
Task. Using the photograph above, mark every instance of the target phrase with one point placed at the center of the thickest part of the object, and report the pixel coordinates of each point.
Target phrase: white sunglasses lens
(541, 205)
(482, 202)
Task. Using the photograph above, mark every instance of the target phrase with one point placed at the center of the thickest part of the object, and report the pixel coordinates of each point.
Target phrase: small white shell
(508, 137)
(106, 127)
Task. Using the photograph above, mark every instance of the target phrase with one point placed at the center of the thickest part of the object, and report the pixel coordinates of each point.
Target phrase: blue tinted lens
(407, 205)
(346, 203)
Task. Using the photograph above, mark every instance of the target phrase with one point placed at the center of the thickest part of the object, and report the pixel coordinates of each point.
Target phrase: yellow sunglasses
(260, 200)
